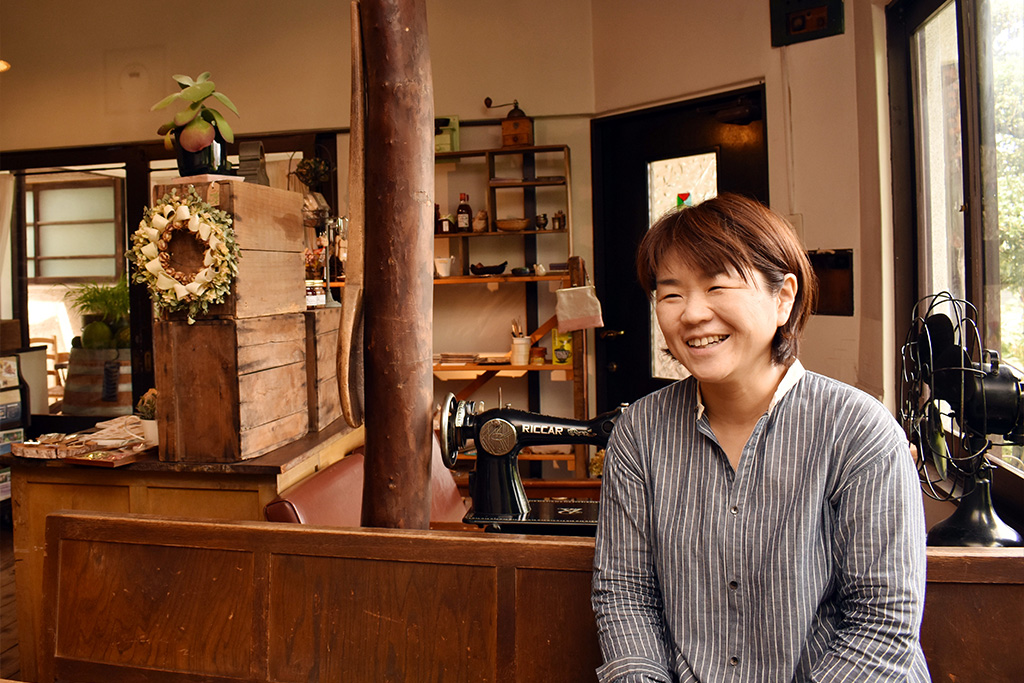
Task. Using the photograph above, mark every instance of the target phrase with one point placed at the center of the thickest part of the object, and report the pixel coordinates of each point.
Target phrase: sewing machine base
(546, 517)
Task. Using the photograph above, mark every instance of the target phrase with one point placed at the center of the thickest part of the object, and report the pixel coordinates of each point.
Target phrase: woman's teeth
(705, 341)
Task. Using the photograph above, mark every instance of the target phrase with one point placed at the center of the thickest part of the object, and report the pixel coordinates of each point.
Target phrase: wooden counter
(220, 491)
(163, 600)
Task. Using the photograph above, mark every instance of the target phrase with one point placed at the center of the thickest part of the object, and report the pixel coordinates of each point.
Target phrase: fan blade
(943, 360)
(937, 441)
(936, 339)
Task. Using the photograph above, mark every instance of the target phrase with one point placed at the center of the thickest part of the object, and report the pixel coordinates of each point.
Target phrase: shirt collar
(793, 375)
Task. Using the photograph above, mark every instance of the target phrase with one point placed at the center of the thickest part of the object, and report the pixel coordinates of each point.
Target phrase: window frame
(36, 227)
(903, 18)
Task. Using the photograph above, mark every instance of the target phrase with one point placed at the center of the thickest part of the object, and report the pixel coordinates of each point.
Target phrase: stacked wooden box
(322, 366)
(233, 384)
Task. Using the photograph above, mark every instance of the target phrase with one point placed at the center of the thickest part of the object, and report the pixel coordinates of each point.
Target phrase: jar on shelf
(316, 293)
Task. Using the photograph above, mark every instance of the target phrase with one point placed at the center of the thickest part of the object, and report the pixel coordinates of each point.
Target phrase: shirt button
(734, 510)
(734, 585)
(733, 661)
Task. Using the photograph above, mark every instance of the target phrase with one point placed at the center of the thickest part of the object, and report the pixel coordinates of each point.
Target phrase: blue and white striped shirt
(807, 564)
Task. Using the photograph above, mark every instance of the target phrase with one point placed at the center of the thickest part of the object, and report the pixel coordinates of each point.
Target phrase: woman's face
(720, 327)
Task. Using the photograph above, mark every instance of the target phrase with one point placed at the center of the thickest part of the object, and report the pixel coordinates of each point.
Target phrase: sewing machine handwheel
(449, 442)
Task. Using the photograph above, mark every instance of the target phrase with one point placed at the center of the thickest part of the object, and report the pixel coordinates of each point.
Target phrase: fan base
(975, 523)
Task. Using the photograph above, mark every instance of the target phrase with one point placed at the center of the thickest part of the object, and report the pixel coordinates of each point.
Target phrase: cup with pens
(520, 354)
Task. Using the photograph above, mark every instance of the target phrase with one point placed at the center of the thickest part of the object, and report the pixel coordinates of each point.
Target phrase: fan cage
(952, 433)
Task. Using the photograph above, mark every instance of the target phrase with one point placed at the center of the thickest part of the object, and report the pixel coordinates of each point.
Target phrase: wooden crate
(268, 228)
(230, 389)
(322, 367)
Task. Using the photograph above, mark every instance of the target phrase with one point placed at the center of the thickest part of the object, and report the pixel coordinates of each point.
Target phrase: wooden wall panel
(974, 614)
(212, 503)
(34, 496)
(127, 607)
(409, 621)
(549, 628)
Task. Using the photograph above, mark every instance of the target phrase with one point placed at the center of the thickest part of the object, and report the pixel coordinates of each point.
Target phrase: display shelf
(527, 182)
(519, 182)
(497, 151)
(499, 233)
(496, 367)
(485, 279)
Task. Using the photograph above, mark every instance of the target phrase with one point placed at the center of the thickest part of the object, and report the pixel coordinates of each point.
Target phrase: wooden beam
(398, 275)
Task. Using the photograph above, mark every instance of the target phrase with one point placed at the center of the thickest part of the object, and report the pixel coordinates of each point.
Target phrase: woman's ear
(785, 299)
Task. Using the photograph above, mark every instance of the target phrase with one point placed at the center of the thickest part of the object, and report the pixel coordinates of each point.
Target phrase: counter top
(290, 463)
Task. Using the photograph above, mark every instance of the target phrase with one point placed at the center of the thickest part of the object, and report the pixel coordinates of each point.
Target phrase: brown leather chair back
(333, 496)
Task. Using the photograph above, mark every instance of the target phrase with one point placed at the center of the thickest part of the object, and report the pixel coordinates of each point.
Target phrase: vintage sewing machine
(499, 499)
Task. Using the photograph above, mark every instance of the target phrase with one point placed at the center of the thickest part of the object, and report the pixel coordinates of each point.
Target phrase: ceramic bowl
(481, 269)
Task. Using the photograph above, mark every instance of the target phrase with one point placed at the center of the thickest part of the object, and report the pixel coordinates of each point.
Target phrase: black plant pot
(212, 159)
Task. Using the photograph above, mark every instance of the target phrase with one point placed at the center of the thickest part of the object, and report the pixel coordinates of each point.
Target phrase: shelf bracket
(472, 387)
(546, 327)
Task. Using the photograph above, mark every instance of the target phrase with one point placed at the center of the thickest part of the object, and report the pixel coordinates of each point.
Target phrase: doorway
(644, 163)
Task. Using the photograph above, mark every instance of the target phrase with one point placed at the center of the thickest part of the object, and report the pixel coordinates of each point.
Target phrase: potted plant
(104, 310)
(100, 362)
(146, 410)
(199, 131)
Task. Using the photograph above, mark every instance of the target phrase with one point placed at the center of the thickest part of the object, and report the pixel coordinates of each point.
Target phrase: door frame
(611, 285)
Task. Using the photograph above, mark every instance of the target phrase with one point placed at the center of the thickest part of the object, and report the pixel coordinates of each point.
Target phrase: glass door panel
(681, 181)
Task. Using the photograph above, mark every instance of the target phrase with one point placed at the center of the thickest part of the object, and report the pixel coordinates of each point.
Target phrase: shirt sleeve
(880, 565)
(626, 596)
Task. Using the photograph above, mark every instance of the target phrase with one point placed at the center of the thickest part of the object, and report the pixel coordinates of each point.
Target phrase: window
(960, 66)
(74, 229)
(937, 142)
(1001, 83)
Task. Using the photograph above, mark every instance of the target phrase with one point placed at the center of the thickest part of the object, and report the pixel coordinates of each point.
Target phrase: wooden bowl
(513, 224)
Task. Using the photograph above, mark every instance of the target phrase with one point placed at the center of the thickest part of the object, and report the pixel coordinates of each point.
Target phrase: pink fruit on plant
(197, 135)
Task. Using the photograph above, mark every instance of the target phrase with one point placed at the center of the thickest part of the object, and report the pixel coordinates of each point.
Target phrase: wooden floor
(10, 665)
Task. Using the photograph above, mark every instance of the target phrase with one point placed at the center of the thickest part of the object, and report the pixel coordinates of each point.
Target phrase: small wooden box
(268, 228)
(516, 131)
(322, 366)
(230, 389)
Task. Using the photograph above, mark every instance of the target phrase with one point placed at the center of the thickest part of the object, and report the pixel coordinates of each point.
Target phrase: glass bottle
(464, 215)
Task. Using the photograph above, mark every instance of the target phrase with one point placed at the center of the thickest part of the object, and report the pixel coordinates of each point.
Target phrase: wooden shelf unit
(556, 159)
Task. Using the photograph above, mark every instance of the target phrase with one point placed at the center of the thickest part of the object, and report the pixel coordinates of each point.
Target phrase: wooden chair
(56, 365)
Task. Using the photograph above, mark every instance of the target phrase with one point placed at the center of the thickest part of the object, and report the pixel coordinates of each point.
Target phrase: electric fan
(955, 398)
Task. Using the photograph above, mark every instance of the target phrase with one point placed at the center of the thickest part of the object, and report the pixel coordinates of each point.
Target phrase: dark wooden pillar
(398, 300)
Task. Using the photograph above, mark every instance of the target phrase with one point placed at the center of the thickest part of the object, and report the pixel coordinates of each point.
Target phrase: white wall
(85, 73)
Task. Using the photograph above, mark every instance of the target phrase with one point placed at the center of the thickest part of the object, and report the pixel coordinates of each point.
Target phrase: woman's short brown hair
(732, 231)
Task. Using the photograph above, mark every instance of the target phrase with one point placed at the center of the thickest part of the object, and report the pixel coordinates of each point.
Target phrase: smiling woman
(742, 473)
